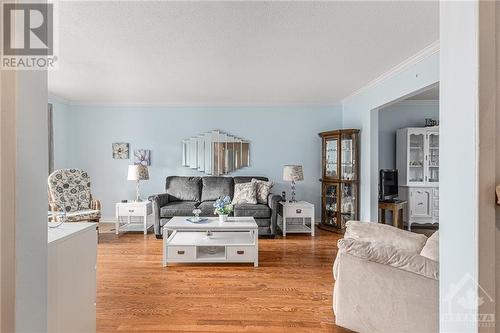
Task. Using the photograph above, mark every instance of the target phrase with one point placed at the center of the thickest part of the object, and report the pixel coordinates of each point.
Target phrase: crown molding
(59, 99)
(188, 105)
(416, 58)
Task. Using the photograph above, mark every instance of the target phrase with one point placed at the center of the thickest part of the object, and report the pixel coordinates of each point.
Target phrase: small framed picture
(120, 150)
(142, 156)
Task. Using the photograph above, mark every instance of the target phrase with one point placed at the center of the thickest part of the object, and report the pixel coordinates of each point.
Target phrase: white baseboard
(317, 220)
(107, 220)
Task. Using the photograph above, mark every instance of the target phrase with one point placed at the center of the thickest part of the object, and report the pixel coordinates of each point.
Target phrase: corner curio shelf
(340, 178)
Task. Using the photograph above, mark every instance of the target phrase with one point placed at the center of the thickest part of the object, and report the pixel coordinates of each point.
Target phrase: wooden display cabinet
(340, 178)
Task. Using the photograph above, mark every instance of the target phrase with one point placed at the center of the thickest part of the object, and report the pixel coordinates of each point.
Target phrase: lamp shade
(138, 172)
(293, 173)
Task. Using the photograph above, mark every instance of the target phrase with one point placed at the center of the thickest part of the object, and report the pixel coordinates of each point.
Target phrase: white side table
(296, 210)
(141, 209)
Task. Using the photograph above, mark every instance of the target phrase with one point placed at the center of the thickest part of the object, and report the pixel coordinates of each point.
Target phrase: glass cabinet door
(330, 204)
(348, 203)
(417, 156)
(348, 157)
(331, 154)
(433, 158)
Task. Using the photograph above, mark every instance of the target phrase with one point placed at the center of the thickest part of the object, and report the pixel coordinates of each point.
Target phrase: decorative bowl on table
(196, 218)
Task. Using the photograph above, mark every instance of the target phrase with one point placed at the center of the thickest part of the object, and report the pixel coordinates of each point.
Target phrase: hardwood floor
(290, 291)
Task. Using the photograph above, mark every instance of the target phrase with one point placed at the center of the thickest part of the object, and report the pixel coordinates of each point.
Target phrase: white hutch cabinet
(417, 161)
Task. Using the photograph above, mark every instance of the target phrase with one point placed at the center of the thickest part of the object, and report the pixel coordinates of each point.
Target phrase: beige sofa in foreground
(386, 280)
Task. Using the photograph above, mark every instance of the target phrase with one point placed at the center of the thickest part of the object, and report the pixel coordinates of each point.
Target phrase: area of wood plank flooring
(290, 291)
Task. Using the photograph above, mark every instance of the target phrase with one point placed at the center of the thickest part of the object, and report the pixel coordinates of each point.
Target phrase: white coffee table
(233, 241)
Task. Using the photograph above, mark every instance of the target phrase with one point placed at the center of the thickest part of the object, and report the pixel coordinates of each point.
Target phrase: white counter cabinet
(72, 255)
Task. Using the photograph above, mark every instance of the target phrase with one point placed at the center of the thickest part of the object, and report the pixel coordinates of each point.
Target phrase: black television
(388, 185)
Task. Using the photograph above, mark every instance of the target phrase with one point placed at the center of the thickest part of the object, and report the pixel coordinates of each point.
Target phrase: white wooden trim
(419, 56)
(7, 200)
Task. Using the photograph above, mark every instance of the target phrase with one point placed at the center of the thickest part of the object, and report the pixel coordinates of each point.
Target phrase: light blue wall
(361, 111)
(61, 133)
(400, 115)
(277, 135)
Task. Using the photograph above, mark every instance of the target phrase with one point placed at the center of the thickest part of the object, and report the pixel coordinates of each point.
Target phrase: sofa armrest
(389, 255)
(158, 201)
(389, 235)
(161, 199)
(273, 201)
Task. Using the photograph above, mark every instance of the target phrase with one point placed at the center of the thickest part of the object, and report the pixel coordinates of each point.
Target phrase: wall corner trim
(419, 56)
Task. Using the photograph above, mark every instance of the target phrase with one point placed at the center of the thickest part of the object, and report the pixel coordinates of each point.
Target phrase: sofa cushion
(246, 179)
(431, 247)
(370, 231)
(245, 193)
(178, 208)
(207, 208)
(253, 210)
(263, 190)
(216, 187)
(183, 188)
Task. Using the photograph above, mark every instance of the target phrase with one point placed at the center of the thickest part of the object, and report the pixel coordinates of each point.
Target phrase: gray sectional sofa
(183, 194)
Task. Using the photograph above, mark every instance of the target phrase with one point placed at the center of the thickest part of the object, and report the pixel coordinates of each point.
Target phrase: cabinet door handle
(180, 252)
(240, 252)
(298, 211)
(130, 210)
(420, 203)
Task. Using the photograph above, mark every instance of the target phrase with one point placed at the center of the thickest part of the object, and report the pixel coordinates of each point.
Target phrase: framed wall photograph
(142, 156)
(120, 150)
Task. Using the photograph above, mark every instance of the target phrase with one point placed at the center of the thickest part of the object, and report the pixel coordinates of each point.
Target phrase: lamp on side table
(138, 172)
(293, 173)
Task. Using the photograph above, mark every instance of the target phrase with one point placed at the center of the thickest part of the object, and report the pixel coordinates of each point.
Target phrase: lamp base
(137, 193)
(293, 192)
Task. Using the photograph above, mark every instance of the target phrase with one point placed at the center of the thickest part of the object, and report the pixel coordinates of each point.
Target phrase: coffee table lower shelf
(188, 246)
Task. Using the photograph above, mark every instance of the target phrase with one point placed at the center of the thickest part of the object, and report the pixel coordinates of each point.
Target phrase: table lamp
(138, 172)
(293, 173)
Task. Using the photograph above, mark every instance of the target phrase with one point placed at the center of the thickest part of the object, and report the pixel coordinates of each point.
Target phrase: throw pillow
(245, 193)
(263, 190)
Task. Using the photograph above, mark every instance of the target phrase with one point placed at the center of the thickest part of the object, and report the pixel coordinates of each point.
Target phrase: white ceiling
(233, 53)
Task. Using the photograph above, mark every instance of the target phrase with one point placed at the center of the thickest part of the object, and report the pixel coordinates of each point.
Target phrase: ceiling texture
(232, 53)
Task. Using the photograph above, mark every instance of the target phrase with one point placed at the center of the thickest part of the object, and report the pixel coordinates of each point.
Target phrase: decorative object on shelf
(340, 178)
(142, 157)
(215, 153)
(223, 208)
(283, 196)
(120, 150)
(293, 173)
(431, 122)
(138, 172)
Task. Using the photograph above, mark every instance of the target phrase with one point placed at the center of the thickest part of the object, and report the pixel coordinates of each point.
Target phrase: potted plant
(223, 208)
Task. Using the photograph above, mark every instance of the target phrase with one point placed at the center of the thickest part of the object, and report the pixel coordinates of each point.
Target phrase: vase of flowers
(223, 208)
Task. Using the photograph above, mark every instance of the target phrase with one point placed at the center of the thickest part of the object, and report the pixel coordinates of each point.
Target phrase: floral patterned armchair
(69, 190)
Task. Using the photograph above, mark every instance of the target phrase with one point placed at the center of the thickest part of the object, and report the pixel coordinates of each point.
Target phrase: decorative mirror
(215, 153)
